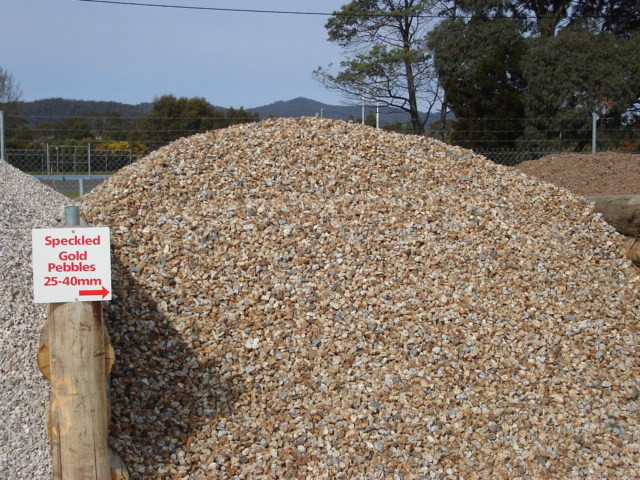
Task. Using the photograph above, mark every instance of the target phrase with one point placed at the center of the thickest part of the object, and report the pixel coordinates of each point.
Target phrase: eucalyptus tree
(387, 61)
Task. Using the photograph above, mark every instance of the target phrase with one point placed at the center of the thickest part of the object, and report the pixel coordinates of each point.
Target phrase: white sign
(71, 264)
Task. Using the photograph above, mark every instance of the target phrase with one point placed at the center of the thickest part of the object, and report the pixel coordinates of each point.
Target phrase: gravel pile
(25, 203)
(587, 174)
(315, 299)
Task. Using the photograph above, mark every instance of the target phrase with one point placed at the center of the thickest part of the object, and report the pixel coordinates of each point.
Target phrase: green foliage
(519, 73)
(618, 17)
(82, 130)
(486, 84)
(347, 24)
(234, 116)
(136, 148)
(9, 95)
(370, 119)
(55, 109)
(398, 127)
(573, 75)
(9, 89)
(167, 119)
(171, 118)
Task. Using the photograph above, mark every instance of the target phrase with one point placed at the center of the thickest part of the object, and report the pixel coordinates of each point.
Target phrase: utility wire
(293, 12)
(250, 10)
(215, 9)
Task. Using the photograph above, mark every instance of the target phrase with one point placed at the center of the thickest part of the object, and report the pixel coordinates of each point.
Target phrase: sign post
(72, 273)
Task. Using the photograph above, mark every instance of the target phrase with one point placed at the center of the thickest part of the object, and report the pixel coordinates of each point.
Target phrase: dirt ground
(589, 174)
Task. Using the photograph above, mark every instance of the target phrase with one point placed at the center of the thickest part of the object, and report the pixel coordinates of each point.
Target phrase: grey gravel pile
(25, 203)
(315, 299)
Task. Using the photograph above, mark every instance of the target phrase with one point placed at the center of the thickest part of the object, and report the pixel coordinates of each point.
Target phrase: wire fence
(76, 170)
(514, 157)
(83, 161)
(61, 160)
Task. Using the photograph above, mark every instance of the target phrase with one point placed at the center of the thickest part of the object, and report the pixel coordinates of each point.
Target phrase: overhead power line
(215, 9)
(251, 10)
(293, 12)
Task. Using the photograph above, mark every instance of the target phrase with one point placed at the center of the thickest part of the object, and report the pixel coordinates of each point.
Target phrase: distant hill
(304, 107)
(58, 109)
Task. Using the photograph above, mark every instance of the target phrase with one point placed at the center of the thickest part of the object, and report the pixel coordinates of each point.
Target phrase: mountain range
(58, 109)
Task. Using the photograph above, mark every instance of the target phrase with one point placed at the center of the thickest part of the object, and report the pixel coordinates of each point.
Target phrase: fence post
(593, 132)
(89, 158)
(2, 153)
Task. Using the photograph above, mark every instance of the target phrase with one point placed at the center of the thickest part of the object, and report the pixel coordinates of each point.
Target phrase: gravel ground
(587, 174)
(312, 299)
(25, 203)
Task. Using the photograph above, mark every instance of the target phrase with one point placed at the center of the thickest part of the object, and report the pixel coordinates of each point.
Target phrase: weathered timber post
(76, 356)
(79, 411)
(623, 213)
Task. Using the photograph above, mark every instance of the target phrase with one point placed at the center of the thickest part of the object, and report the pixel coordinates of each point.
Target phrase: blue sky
(132, 54)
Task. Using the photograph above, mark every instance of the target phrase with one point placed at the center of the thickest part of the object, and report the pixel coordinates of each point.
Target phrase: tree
(388, 62)
(478, 62)
(573, 75)
(9, 90)
(107, 126)
(240, 115)
(618, 17)
(135, 148)
(171, 118)
(547, 60)
(10, 94)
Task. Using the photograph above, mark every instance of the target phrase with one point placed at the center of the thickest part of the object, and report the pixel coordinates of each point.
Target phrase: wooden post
(79, 411)
(621, 211)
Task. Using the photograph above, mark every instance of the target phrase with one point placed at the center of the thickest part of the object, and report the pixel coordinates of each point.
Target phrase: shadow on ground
(162, 391)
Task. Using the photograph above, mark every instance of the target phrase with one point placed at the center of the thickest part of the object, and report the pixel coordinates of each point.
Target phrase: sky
(132, 54)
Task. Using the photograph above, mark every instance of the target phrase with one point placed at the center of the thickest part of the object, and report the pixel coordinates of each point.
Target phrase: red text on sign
(76, 240)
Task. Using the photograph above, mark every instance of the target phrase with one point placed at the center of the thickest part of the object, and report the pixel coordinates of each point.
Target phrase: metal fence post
(89, 158)
(593, 132)
(2, 152)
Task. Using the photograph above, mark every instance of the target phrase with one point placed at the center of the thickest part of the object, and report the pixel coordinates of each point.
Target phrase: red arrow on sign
(91, 293)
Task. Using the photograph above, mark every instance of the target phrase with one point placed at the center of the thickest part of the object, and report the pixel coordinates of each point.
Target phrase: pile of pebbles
(25, 204)
(588, 174)
(308, 298)
(316, 299)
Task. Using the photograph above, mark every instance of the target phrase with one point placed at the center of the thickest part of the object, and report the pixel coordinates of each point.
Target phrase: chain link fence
(72, 170)
(64, 160)
(514, 157)
(78, 169)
